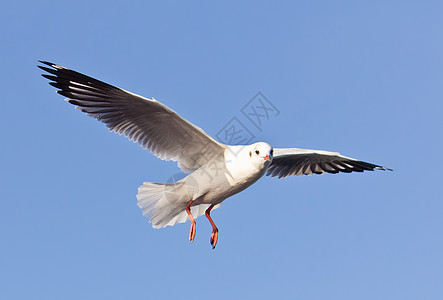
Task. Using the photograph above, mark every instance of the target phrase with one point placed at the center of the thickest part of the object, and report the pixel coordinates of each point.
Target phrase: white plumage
(218, 171)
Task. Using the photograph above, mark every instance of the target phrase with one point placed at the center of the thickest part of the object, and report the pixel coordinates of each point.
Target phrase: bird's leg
(214, 235)
(192, 231)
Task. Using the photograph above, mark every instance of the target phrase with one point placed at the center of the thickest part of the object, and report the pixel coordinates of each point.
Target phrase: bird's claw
(214, 238)
(192, 232)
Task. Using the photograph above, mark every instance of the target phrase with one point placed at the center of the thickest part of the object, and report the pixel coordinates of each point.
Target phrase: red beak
(267, 157)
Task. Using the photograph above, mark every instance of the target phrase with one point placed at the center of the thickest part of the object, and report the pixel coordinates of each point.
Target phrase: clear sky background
(361, 78)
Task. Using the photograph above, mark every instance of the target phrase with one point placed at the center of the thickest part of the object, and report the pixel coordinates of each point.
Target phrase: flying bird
(217, 171)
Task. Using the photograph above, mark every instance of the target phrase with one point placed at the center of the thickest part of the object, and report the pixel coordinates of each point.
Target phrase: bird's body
(212, 183)
(217, 171)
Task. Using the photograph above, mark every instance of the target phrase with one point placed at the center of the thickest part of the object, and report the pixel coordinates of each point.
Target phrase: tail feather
(165, 203)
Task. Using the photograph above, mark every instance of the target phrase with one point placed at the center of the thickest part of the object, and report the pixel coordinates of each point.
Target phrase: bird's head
(261, 154)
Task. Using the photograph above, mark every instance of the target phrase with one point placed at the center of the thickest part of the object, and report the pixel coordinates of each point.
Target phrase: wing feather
(295, 161)
(146, 121)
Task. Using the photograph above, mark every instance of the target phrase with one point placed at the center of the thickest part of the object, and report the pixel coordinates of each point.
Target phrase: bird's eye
(257, 152)
(272, 152)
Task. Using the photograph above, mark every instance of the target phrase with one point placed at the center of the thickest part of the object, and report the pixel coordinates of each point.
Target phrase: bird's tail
(165, 203)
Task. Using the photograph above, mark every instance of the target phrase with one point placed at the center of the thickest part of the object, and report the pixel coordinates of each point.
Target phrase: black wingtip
(54, 67)
(384, 169)
(46, 69)
(46, 63)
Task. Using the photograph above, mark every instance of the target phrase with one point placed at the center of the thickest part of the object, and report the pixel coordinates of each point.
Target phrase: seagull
(216, 171)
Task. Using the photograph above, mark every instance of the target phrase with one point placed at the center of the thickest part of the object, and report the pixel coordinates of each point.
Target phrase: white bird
(218, 171)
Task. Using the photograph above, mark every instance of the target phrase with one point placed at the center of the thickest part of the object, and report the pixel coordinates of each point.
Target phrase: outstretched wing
(153, 125)
(294, 161)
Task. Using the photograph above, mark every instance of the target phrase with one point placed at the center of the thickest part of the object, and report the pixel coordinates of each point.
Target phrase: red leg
(214, 235)
(192, 231)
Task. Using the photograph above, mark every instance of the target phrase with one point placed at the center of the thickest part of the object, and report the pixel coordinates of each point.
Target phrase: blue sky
(363, 79)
